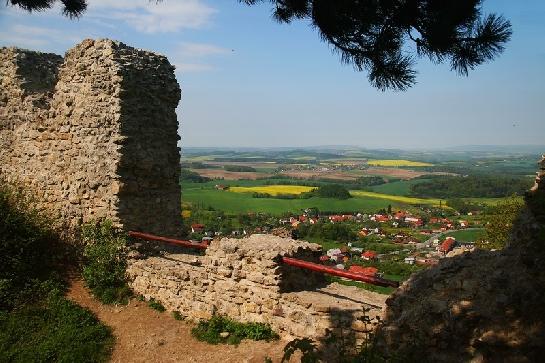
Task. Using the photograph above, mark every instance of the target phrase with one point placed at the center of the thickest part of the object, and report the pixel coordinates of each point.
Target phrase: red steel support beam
(176, 242)
(341, 273)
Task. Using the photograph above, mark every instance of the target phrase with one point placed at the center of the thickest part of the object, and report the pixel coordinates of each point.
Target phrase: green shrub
(156, 305)
(105, 263)
(209, 331)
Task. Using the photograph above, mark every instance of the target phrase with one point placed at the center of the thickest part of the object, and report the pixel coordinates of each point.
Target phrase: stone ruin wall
(245, 280)
(93, 135)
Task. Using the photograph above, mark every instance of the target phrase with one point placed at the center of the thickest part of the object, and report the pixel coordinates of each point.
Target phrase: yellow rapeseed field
(399, 198)
(273, 189)
(397, 163)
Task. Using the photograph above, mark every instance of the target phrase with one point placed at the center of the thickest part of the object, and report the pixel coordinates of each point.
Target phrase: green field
(470, 235)
(205, 195)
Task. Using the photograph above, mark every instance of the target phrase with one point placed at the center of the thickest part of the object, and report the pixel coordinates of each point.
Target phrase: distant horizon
(460, 146)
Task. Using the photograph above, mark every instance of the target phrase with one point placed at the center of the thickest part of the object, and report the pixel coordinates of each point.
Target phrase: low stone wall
(94, 134)
(245, 280)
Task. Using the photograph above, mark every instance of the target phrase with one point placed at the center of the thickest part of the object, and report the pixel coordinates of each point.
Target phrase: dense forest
(472, 187)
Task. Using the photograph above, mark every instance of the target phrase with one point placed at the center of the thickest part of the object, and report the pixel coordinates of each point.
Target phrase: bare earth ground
(342, 175)
(145, 335)
(309, 174)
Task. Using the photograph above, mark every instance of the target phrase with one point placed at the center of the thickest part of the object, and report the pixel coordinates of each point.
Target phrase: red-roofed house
(380, 218)
(369, 255)
(337, 218)
(364, 232)
(447, 245)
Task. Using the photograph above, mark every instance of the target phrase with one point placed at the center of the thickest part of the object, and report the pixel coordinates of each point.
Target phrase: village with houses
(383, 244)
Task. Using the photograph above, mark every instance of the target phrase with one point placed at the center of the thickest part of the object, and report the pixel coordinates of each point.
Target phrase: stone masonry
(245, 280)
(93, 135)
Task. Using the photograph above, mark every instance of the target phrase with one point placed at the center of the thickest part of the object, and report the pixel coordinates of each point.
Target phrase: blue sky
(249, 81)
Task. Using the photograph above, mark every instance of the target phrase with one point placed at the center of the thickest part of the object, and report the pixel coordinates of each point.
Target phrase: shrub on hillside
(105, 262)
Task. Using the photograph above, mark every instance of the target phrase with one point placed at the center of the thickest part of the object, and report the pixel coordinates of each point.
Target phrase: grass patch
(177, 315)
(471, 235)
(211, 331)
(57, 330)
(156, 305)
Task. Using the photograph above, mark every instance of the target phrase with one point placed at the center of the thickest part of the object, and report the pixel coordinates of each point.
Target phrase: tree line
(471, 187)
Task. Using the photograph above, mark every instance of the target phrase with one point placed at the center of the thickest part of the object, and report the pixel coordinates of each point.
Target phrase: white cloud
(36, 37)
(197, 50)
(151, 17)
(190, 57)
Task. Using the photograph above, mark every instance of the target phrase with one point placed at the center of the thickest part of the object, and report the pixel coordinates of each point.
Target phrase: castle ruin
(93, 135)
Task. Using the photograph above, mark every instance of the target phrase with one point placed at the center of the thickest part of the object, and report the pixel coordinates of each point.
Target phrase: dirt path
(145, 335)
